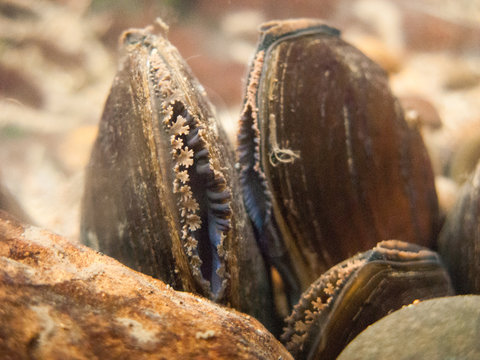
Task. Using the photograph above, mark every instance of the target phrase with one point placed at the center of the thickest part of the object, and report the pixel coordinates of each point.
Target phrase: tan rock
(441, 328)
(59, 300)
(9, 203)
(390, 59)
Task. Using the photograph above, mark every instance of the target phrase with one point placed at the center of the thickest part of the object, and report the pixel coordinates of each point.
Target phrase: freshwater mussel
(327, 167)
(161, 193)
(357, 292)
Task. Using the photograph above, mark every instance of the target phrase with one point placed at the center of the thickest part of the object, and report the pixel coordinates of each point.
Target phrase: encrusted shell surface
(459, 240)
(328, 163)
(357, 292)
(161, 193)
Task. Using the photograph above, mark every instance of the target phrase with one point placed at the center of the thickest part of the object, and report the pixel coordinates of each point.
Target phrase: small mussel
(459, 240)
(359, 291)
(328, 164)
(161, 193)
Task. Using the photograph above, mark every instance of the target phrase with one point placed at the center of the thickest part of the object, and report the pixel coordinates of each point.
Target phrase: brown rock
(9, 203)
(59, 300)
(466, 154)
(387, 57)
(421, 113)
(73, 150)
(427, 32)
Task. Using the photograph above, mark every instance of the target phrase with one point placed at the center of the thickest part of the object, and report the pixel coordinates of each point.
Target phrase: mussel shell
(161, 193)
(459, 240)
(443, 328)
(327, 157)
(359, 291)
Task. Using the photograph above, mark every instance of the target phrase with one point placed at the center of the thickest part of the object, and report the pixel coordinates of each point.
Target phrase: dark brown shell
(459, 240)
(161, 193)
(359, 291)
(328, 163)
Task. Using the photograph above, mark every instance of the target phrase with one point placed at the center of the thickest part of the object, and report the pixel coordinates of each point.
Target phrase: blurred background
(58, 59)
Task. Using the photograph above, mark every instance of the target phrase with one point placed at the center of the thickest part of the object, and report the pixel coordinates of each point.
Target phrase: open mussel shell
(443, 328)
(459, 240)
(359, 291)
(328, 163)
(161, 194)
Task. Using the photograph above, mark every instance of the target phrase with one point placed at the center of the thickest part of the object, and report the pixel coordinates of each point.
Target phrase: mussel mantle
(329, 166)
(161, 194)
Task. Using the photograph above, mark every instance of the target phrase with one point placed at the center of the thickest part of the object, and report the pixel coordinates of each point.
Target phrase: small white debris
(205, 335)
(137, 331)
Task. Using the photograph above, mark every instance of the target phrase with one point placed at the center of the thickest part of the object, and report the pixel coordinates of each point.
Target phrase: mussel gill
(203, 197)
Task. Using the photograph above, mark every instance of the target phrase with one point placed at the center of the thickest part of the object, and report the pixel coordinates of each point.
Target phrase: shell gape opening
(205, 198)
